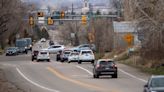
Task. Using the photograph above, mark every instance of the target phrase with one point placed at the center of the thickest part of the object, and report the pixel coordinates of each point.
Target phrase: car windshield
(86, 52)
(106, 63)
(157, 82)
(43, 52)
(72, 54)
(12, 48)
(67, 52)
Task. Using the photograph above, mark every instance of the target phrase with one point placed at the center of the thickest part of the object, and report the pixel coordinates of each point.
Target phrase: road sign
(129, 38)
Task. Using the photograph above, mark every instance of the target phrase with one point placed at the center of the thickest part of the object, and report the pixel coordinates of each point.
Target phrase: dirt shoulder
(5, 85)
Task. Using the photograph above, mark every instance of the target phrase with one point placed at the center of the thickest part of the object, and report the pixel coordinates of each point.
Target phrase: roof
(158, 76)
(105, 60)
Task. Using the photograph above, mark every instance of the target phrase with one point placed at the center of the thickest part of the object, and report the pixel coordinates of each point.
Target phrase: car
(42, 56)
(43, 40)
(85, 46)
(34, 55)
(73, 57)
(55, 48)
(65, 54)
(86, 56)
(51, 42)
(12, 51)
(105, 67)
(155, 84)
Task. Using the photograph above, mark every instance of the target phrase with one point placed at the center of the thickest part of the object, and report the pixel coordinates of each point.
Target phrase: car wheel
(48, 60)
(92, 61)
(26, 52)
(32, 59)
(79, 62)
(38, 60)
(6, 55)
(95, 76)
(69, 61)
(115, 76)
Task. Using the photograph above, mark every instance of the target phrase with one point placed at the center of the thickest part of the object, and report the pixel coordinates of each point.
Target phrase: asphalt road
(63, 77)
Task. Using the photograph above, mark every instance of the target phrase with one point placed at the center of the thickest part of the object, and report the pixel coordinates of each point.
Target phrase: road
(63, 77)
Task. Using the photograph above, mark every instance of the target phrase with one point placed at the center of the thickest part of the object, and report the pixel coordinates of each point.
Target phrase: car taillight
(114, 66)
(97, 66)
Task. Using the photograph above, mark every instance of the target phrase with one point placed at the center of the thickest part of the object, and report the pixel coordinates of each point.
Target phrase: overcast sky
(58, 3)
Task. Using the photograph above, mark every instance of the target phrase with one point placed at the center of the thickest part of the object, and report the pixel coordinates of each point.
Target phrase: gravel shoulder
(5, 85)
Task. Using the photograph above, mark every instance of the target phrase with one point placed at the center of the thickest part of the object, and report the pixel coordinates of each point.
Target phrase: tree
(149, 16)
(12, 13)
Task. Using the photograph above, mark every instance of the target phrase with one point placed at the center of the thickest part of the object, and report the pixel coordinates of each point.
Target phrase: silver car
(12, 51)
(155, 84)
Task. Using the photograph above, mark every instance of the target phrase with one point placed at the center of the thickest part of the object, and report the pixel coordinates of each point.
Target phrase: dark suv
(105, 67)
(34, 55)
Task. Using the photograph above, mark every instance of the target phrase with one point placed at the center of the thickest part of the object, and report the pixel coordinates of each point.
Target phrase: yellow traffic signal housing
(50, 21)
(84, 19)
(31, 20)
(40, 14)
(62, 14)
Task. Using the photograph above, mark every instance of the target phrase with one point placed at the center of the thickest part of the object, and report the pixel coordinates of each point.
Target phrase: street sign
(129, 38)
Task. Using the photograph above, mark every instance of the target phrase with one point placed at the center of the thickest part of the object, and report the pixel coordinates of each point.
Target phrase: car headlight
(30, 45)
(153, 91)
(25, 47)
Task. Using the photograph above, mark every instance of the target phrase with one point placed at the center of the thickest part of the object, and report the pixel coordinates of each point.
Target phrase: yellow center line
(58, 74)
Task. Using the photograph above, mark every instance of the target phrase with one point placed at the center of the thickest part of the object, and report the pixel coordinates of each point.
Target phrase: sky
(57, 3)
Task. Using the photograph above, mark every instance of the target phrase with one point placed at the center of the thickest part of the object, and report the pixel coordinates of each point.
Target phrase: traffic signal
(40, 14)
(62, 14)
(84, 19)
(31, 20)
(50, 21)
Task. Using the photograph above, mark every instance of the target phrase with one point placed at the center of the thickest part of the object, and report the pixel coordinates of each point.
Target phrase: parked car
(85, 46)
(55, 48)
(42, 56)
(105, 67)
(34, 55)
(73, 57)
(86, 56)
(12, 51)
(65, 54)
(155, 84)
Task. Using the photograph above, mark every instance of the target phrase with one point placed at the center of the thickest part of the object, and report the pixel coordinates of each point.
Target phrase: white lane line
(84, 69)
(132, 76)
(119, 70)
(52, 90)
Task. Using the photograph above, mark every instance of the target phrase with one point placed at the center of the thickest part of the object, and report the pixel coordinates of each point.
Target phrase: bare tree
(149, 15)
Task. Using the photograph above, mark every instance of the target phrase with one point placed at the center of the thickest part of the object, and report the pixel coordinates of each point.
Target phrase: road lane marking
(132, 76)
(52, 90)
(119, 70)
(84, 69)
(58, 74)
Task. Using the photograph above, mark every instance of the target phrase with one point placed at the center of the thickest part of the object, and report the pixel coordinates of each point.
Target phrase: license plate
(107, 73)
(106, 68)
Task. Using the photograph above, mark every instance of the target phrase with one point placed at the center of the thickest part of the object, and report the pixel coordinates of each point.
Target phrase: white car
(55, 48)
(42, 56)
(43, 40)
(73, 57)
(86, 56)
